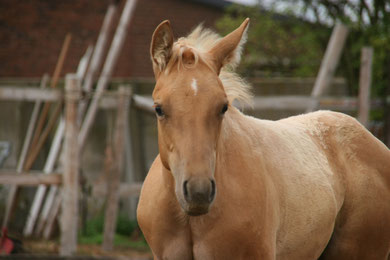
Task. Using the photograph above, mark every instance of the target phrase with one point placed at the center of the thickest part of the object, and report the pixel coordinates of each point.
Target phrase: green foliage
(119, 240)
(277, 45)
(124, 226)
(125, 229)
(94, 226)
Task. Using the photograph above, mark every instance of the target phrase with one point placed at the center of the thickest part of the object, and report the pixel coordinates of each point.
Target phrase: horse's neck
(239, 129)
(241, 137)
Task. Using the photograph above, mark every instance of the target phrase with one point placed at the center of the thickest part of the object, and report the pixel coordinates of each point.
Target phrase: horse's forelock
(199, 42)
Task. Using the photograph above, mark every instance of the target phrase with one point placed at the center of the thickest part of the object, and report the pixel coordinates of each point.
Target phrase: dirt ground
(44, 247)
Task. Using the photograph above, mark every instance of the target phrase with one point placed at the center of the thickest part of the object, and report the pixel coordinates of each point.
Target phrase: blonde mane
(200, 41)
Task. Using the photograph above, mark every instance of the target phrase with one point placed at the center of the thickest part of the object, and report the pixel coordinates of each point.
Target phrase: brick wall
(32, 32)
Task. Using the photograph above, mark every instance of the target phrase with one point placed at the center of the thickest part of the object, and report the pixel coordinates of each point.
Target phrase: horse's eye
(224, 109)
(159, 111)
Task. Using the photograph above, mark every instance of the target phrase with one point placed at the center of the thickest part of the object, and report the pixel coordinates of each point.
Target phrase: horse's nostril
(185, 190)
(212, 194)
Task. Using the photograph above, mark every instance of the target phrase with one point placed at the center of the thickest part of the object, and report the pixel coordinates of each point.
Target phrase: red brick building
(32, 32)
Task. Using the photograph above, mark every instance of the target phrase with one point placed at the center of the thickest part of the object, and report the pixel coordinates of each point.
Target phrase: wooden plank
(97, 56)
(23, 155)
(143, 103)
(365, 85)
(69, 216)
(53, 213)
(84, 63)
(47, 207)
(290, 81)
(48, 168)
(329, 63)
(28, 179)
(100, 47)
(301, 102)
(105, 76)
(34, 151)
(24, 93)
(112, 203)
(46, 106)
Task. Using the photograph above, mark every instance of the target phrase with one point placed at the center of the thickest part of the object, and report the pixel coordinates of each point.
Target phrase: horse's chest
(224, 240)
(212, 242)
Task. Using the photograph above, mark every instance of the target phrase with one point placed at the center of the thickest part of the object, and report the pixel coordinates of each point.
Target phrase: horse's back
(362, 229)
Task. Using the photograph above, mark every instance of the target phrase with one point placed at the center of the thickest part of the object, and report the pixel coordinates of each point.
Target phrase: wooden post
(19, 168)
(114, 180)
(69, 213)
(365, 85)
(329, 63)
(112, 57)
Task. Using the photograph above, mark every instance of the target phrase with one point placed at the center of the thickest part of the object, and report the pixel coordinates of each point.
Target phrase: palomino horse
(229, 186)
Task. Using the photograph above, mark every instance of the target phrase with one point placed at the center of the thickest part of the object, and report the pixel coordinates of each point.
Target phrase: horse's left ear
(161, 46)
(228, 49)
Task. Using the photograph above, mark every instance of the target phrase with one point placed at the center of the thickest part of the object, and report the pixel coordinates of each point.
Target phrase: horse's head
(190, 103)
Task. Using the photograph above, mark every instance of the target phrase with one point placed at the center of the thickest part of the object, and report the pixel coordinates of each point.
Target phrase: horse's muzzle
(199, 193)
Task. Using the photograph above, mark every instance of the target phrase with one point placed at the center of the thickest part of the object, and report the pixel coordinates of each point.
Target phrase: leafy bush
(277, 44)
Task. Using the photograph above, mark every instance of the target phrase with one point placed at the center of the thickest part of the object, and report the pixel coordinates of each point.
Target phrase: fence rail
(29, 178)
(145, 103)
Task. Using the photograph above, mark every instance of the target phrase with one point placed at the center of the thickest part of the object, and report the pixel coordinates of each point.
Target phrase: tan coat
(306, 187)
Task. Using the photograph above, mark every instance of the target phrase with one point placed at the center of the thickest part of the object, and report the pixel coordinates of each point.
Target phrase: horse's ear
(228, 49)
(161, 46)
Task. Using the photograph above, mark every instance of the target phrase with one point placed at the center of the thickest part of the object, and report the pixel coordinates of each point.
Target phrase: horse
(229, 186)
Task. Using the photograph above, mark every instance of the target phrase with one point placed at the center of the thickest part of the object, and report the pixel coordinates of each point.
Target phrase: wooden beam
(28, 179)
(329, 63)
(69, 216)
(105, 76)
(24, 93)
(12, 93)
(46, 106)
(365, 85)
(112, 203)
(143, 103)
(56, 206)
(301, 103)
(97, 56)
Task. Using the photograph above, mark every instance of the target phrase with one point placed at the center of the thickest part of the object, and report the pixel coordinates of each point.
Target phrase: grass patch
(127, 233)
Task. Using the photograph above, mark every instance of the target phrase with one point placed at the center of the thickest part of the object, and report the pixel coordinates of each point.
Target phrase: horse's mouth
(194, 211)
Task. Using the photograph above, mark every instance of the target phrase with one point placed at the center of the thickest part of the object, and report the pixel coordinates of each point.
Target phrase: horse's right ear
(161, 46)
